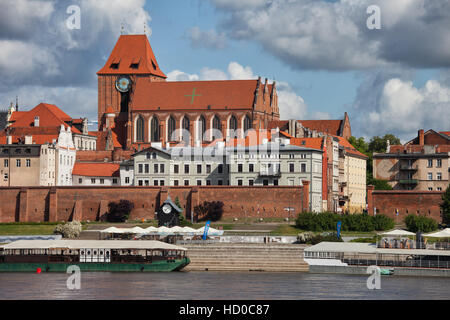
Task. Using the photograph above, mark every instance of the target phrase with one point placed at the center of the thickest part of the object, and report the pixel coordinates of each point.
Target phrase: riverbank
(398, 271)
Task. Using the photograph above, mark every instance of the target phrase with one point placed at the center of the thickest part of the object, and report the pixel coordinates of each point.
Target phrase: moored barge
(92, 256)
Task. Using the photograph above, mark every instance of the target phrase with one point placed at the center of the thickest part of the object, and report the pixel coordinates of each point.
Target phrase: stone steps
(246, 257)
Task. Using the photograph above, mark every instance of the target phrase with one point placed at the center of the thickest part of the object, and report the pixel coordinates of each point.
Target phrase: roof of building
(313, 143)
(102, 137)
(132, 54)
(96, 169)
(349, 148)
(90, 244)
(49, 116)
(189, 95)
(325, 126)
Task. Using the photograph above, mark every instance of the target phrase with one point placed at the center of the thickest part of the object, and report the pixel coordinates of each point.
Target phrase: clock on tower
(168, 214)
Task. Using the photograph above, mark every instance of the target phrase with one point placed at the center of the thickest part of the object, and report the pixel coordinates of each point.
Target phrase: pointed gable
(132, 54)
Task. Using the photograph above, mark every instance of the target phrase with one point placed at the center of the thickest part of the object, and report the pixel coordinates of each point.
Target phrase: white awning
(398, 233)
(439, 234)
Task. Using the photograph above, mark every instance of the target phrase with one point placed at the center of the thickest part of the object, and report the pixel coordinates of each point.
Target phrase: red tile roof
(16, 115)
(282, 124)
(96, 169)
(49, 116)
(349, 148)
(313, 143)
(101, 139)
(188, 95)
(131, 49)
(325, 126)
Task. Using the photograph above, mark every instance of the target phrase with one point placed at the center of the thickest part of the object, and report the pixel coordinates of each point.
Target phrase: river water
(218, 286)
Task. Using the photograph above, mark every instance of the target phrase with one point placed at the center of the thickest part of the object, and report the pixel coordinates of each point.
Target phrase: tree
(445, 206)
(181, 219)
(119, 211)
(379, 144)
(209, 211)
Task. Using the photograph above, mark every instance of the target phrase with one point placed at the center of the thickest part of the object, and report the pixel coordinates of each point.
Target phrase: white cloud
(318, 34)
(403, 108)
(238, 72)
(207, 39)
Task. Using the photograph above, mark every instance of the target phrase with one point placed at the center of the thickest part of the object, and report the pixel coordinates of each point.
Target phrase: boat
(92, 256)
(386, 272)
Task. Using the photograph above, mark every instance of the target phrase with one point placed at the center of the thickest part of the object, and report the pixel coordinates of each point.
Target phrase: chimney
(36, 121)
(8, 139)
(28, 139)
(421, 137)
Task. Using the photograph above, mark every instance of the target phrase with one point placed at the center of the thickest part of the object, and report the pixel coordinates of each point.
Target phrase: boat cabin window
(157, 253)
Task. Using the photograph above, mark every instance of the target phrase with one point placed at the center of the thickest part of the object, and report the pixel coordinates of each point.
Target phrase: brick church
(138, 107)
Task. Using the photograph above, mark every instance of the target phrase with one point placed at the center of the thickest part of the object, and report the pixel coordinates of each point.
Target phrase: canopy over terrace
(162, 231)
(398, 233)
(439, 234)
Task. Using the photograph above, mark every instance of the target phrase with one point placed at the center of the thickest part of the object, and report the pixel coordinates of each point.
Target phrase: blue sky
(324, 58)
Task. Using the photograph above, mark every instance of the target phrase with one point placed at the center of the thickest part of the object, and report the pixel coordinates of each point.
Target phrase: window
(219, 182)
(161, 182)
(199, 168)
(208, 168)
(250, 182)
(251, 167)
(175, 182)
(161, 168)
(240, 167)
(201, 128)
(216, 127)
(147, 155)
(439, 176)
(155, 182)
(233, 126)
(186, 182)
(171, 129)
(439, 189)
(220, 168)
(6, 163)
(430, 176)
(185, 125)
(430, 189)
(140, 129)
(154, 124)
(140, 183)
(140, 168)
(175, 168)
(186, 168)
(5, 176)
(291, 156)
(80, 180)
(155, 168)
(275, 182)
(208, 182)
(127, 180)
(239, 182)
(247, 124)
(430, 163)
(439, 163)
(92, 181)
(265, 182)
(199, 182)
(291, 167)
(102, 181)
(18, 163)
(147, 168)
(147, 183)
(303, 167)
(114, 181)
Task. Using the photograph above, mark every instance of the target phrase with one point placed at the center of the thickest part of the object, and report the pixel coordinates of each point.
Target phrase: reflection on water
(218, 285)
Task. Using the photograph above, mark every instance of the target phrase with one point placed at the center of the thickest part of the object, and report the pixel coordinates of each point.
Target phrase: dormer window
(114, 65)
(134, 66)
(154, 65)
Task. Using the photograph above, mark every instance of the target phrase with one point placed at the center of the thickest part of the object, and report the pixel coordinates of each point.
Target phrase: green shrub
(420, 223)
(331, 237)
(119, 211)
(355, 222)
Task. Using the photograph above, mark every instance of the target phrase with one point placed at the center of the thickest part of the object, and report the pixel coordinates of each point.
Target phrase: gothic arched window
(140, 129)
(216, 127)
(247, 124)
(154, 129)
(185, 125)
(233, 126)
(171, 129)
(201, 128)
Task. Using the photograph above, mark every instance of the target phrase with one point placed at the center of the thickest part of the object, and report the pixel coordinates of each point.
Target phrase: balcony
(269, 173)
(409, 181)
(409, 167)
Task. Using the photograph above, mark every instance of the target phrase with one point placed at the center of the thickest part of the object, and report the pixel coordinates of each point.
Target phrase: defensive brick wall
(38, 204)
(407, 202)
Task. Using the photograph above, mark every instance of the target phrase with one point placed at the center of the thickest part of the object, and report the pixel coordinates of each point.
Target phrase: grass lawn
(24, 229)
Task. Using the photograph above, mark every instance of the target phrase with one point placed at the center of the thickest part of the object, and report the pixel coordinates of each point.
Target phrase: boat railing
(419, 263)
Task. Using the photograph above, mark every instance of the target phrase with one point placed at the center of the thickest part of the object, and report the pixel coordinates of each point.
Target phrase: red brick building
(140, 107)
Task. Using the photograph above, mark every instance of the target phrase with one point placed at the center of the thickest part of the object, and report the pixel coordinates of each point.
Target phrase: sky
(322, 55)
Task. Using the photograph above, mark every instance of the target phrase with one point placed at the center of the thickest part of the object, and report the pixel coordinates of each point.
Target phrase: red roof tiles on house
(132, 54)
(96, 169)
(349, 148)
(326, 126)
(189, 95)
(313, 143)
